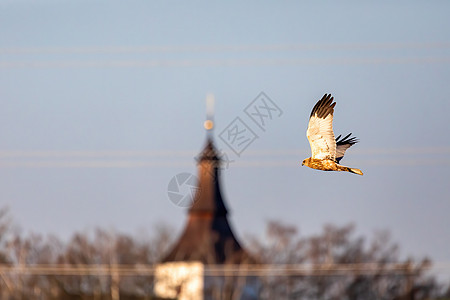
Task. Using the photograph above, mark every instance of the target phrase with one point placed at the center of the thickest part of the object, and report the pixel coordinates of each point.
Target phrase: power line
(95, 154)
(230, 270)
(246, 62)
(219, 48)
(22, 154)
(435, 156)
(70, 164)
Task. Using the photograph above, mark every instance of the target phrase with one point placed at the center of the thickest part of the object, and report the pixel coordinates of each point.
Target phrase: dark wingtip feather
(324, 106)
(346, 140)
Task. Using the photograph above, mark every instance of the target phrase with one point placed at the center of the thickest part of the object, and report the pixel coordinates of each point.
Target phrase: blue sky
(103, 102)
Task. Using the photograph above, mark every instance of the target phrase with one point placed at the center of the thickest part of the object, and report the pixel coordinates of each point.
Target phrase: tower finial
(209, 123)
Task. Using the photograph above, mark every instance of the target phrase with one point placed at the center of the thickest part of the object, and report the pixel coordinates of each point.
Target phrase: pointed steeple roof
(208, 198)
(207, 236)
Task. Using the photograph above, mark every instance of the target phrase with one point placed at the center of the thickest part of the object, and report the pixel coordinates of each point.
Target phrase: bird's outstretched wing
(320, 129)
(342, 144)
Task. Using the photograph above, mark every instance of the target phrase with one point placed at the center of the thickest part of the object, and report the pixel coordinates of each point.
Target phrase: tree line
(282, 245)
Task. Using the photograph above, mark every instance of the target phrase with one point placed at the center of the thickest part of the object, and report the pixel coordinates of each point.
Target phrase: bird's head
(305, 162)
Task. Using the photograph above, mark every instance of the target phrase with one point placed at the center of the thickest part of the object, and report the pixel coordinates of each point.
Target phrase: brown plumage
(326, 150)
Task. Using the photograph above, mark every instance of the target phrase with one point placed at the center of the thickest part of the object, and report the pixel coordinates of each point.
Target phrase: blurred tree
(114, 249)
(5, 228)
(339, 246)
(366, 277)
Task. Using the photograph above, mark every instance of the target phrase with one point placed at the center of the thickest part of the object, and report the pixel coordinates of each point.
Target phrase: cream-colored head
(306, 162)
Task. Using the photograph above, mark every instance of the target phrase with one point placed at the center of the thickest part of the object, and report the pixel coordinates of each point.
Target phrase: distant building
(207, 242)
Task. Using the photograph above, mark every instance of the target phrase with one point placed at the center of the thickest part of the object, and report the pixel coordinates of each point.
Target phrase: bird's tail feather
(347, 169)
(355, 171)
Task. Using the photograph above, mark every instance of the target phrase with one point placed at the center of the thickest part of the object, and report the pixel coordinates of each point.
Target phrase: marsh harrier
(326, 151)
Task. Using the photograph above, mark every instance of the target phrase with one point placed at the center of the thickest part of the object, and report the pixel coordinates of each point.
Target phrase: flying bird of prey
(326, 151)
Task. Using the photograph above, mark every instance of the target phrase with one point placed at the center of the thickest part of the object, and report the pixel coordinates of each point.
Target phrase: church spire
(207, 236)
(208, 198)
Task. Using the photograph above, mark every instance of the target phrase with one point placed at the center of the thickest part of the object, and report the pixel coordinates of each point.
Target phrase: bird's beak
(303, 164)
